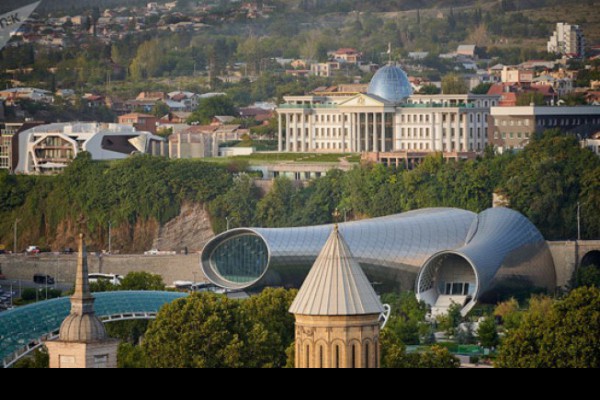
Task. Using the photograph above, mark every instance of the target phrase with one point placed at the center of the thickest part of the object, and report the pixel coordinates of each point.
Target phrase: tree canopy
(210, 331)
(210, 108)
(563, 335)
(454, 84)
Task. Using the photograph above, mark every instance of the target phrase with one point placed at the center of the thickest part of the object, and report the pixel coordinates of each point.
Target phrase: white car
(112, 279)
(153, 252)
(33, 250)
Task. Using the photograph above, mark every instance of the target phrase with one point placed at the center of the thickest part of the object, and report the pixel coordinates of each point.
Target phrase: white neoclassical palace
(386, 119)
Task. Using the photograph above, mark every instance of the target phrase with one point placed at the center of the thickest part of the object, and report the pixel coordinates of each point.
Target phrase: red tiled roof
(347, 51)
(547, 91)
(137, 115)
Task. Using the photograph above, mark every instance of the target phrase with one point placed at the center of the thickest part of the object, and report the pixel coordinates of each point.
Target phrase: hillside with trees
(138, 195)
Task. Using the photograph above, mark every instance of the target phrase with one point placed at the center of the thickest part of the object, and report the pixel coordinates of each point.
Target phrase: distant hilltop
(316, 6)
(71, 5)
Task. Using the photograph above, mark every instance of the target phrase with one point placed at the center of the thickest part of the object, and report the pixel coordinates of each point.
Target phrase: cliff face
(191, 230)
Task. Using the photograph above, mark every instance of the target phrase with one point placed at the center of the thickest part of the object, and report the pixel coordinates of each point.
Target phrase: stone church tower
(83, 341)
(337, 313)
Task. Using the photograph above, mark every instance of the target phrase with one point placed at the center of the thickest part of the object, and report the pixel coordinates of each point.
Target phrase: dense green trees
(488, 333)
(142, 281)
(548, 179)
(395, 356)
(544, 182)
(210, 108)
(209, 331)
(563, 335)
(454, 84)
(126, 192)
(407, 322)
(588, 275)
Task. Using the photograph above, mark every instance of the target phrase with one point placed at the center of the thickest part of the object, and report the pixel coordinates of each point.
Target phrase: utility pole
(109, 237)
(15, 246)
(579, 221)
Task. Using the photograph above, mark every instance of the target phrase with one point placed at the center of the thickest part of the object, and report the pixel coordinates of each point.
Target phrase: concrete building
(337, 313)
(12, 96)
(389, 118)
(140, 122)
(567, 40)
(511, 128)
(517, 75)
(348, 56)
(325, 70)
(9, 149)
(592, 144)
(83, 342)
(202, 141)
(50, 148)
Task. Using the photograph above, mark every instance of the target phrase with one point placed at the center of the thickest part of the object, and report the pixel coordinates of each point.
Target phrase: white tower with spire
(83, 341)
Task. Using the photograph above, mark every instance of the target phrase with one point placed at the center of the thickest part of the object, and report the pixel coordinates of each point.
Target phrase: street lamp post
(229, 220)
(579, 221)
(15, 245)
(109, 237)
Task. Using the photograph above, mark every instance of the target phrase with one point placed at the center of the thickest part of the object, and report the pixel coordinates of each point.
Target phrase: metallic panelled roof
(392, 84)
(23, 325)
(495, 235)
(403, 241)
(336, 285)
(400, 240)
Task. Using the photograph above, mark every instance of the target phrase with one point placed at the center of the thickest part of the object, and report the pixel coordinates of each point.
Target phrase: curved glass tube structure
(391, 83)
(452, 252)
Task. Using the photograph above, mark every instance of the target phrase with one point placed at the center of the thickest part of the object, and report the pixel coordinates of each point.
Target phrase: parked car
(31, 250)
(68, 250)
(113, 279)
(41, 279)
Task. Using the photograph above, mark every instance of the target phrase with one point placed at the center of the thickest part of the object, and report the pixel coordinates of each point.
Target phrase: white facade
(51, 148)
(593, 145)
(368, 123)
(567, 40)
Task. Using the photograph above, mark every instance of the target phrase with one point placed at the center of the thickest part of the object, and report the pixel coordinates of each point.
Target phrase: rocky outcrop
(191, 229)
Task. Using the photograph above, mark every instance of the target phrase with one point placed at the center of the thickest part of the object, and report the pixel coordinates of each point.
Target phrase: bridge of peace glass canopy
(24, 329)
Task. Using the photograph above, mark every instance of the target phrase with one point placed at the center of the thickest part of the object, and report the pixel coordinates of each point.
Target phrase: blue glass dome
(392, 84)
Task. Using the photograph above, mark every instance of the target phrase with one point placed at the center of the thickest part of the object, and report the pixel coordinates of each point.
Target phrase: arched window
(337, 357)
(354, 366)
(321, 357)
(308, 356)
(367, 356)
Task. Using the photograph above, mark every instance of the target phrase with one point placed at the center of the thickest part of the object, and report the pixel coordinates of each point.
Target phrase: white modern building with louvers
(48, 149)
(388, 118)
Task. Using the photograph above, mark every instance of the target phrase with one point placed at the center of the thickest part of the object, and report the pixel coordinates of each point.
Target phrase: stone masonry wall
(63, 267)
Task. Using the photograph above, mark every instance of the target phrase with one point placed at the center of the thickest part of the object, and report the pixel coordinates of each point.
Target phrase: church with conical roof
(337, 312)
(83, 341)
